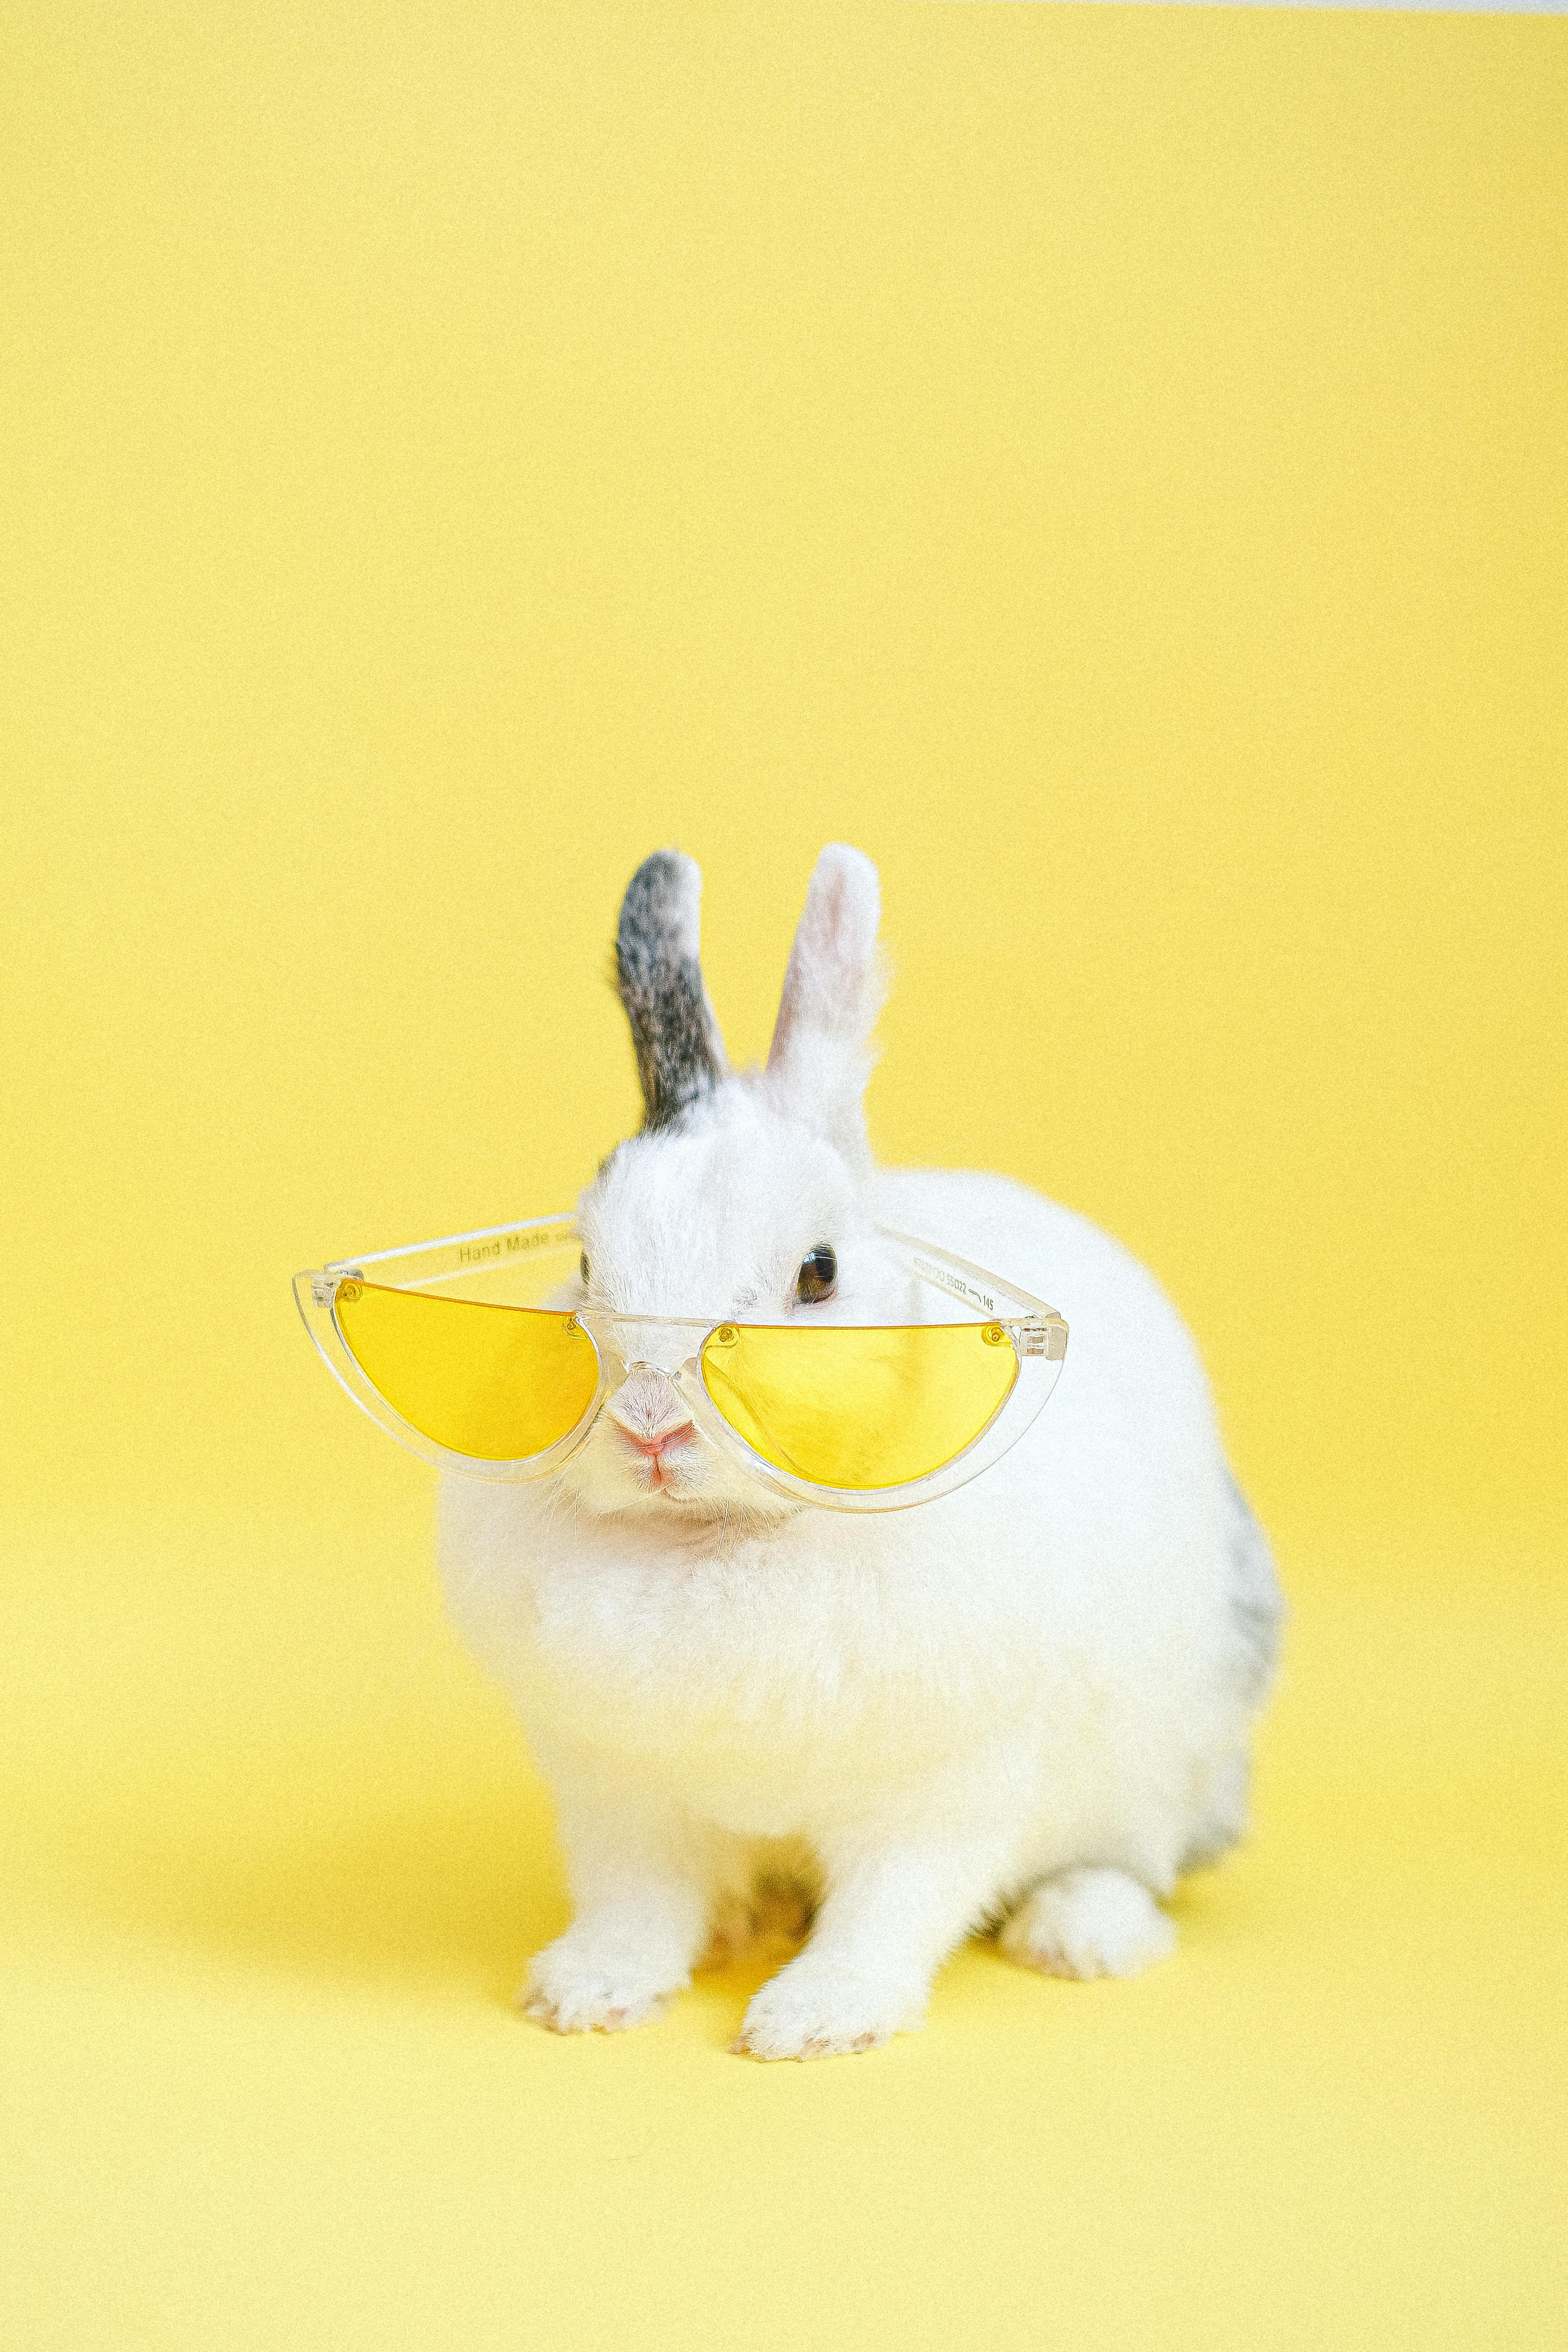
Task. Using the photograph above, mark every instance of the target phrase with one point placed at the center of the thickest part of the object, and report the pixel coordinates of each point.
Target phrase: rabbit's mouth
(648, 1457)
(662, 1462)
(679, 1480)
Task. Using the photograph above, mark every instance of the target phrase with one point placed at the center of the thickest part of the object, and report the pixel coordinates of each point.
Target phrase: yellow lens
(855, 1407)
(498, 1383)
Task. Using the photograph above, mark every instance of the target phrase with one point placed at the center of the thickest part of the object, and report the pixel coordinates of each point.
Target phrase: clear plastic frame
(853, 1417)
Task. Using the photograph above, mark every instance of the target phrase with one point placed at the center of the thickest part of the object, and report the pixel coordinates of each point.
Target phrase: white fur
(1089, 1923)
(1033, 1695)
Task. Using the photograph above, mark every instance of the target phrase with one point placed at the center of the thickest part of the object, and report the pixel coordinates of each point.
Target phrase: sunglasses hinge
(324, 1286)
(1044, 1337)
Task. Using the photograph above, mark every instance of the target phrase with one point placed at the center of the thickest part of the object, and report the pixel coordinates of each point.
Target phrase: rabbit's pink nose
(654, 1447)
(650, 1411)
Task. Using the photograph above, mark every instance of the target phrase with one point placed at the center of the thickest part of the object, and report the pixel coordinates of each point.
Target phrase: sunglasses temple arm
(1038, 1329)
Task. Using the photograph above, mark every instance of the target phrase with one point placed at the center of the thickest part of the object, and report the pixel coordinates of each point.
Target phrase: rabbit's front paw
(580, 1985)
(1089, 1923)
(817, 2008)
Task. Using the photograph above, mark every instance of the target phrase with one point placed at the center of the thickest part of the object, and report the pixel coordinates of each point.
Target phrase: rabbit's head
(743, 1193)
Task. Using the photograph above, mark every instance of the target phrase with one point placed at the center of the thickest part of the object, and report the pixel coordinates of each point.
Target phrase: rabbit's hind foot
(1089, 1923)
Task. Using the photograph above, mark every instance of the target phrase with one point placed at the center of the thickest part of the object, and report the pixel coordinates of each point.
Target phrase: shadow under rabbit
(451, 1896)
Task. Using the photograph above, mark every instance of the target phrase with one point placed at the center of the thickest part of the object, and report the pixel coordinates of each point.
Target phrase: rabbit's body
(1033, 1695)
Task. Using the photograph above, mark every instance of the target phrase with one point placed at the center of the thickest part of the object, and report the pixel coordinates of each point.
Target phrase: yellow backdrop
(1107, 464)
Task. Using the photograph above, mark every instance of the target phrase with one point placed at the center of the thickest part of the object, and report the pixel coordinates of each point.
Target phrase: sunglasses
(457, 1350)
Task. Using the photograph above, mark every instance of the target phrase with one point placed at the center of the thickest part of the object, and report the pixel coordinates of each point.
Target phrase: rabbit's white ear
(680, 1054)
(821, 1056)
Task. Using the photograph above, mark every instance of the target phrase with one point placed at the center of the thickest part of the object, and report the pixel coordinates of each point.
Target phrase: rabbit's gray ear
(681, 1055)
(821, 1055)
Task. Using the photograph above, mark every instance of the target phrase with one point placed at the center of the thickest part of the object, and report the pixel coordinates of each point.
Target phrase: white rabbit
(1028, 1701)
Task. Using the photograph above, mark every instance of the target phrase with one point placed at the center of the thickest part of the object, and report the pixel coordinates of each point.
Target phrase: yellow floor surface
(275, 1861)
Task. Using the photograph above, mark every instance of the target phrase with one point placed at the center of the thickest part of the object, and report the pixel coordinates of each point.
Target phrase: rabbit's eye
(819, 1273)
(583, 1266)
